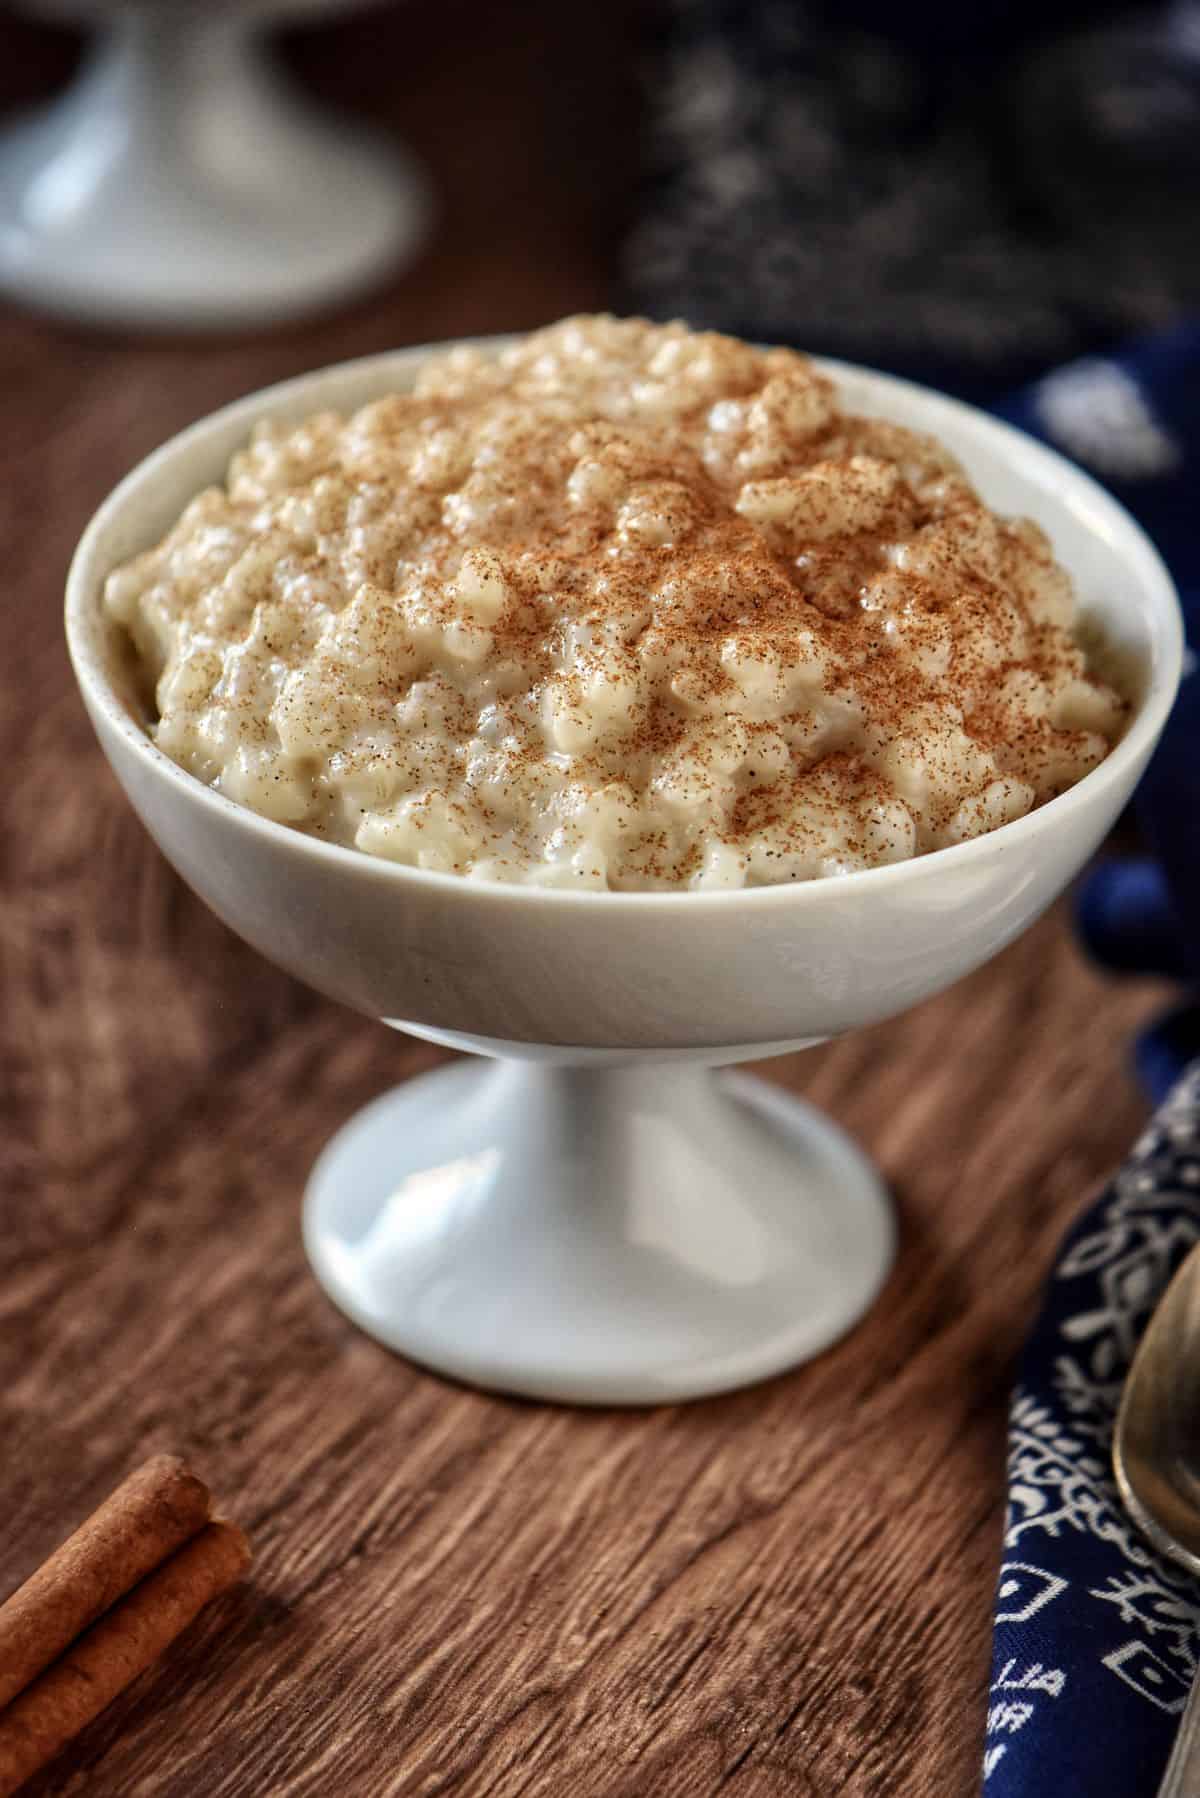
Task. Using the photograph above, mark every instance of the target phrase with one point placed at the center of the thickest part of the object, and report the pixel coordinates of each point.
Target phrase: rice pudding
(624, 606)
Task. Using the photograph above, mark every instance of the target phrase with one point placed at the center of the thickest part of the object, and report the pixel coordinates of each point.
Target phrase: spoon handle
(1182, 1777)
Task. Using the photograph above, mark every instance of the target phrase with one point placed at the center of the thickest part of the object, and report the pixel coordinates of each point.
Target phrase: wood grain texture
(784, 1591)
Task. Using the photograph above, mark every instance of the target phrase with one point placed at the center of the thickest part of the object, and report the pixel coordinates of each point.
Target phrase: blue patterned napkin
(1096, 1635)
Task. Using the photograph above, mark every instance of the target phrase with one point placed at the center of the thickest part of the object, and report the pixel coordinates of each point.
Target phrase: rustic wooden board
(786, 1591)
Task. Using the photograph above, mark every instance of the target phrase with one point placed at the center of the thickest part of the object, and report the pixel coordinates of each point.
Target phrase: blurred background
(514, 124)
(971, 193)
(966, 192)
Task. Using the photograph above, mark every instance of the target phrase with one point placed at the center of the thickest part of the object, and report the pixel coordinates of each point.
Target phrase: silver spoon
(1156, 1459)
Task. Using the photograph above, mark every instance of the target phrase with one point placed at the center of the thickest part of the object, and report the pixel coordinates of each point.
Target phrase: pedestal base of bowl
(181, 182)
(629, 1235)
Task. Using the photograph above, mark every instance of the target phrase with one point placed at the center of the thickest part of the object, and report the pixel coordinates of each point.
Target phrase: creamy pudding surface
(626, 606)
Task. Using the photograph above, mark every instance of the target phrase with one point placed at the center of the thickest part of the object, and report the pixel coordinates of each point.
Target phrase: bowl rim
(1080, 492)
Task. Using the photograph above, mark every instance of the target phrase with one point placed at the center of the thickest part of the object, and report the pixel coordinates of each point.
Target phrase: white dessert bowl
(597, 1218)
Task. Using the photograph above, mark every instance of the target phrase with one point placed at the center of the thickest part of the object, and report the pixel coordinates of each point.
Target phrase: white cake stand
(180, 182)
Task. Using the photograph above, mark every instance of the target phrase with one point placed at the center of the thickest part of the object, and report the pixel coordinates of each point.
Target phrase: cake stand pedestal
(181, 183)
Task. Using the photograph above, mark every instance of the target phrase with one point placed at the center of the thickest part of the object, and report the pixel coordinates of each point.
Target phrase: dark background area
(969, 193)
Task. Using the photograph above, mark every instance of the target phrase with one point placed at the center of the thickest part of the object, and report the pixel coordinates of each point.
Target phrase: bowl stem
(612, 1235)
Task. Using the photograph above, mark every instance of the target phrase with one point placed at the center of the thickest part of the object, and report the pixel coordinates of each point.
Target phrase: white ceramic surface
(502, 1273)
(181, 182)
(603, 1237)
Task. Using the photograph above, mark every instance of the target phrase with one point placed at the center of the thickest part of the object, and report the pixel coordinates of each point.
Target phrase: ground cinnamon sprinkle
(629, 606)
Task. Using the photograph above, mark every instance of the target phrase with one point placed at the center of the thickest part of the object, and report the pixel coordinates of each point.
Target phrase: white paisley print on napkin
(1147, 1611)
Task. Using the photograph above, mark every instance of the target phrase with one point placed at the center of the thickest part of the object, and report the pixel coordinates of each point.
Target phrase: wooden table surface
(784, 1591)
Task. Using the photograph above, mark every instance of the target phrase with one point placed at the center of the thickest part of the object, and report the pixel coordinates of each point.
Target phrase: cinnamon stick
(111, 1654)
(151, 1514)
